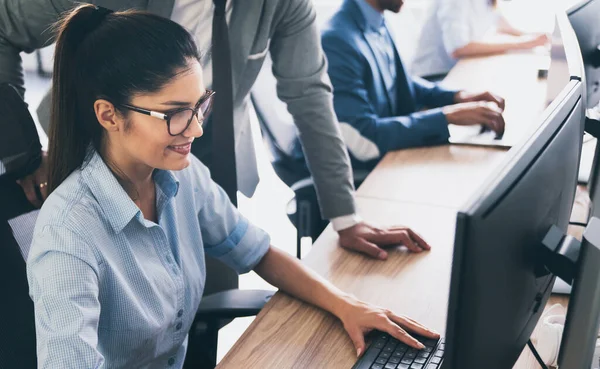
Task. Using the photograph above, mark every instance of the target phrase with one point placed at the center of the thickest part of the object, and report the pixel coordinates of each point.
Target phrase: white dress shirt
(196, 16)
(450, 25)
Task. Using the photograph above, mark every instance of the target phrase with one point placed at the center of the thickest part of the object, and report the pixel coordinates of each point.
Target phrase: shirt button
(180, 313)
(171, 361)
(178, 326)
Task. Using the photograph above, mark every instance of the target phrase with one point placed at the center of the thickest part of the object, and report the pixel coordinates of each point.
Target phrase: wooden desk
(443, 176)
(290, 334)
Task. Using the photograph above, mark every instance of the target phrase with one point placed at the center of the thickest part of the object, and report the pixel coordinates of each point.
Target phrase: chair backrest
(17, 321)
(276, 122)
(280, 134)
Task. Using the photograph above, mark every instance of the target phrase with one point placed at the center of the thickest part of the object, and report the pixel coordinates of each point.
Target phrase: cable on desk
(537, 356)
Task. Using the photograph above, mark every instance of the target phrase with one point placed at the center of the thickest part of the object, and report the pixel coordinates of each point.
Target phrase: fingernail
(382, 255)
(358, 352)
(421, 346)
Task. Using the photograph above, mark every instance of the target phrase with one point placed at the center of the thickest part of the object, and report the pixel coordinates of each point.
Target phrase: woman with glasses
(116, 268)
(455, 29)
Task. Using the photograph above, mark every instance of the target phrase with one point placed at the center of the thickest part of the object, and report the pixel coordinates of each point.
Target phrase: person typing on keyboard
(379, 105)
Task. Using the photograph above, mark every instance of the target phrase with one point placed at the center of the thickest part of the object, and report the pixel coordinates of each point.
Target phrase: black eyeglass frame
(208, 96)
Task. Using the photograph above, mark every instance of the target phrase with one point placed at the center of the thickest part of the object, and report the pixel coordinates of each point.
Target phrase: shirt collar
(374, 19)
(116, 204)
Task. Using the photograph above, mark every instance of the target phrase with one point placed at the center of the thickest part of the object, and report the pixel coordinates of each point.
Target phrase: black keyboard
(387, 352)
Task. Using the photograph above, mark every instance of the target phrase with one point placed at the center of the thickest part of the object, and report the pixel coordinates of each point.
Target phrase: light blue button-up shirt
(450, 25)
(383, 48)
(114, 290)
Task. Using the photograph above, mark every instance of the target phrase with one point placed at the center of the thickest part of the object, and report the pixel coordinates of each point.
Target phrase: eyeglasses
(179, 120)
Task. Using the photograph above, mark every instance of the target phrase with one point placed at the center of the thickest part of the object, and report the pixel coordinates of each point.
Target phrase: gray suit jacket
(284, 28)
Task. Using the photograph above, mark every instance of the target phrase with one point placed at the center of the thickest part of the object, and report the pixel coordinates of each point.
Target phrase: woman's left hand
(359, 318)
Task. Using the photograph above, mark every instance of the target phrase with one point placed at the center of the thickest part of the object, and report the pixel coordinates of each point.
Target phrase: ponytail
(69, 137)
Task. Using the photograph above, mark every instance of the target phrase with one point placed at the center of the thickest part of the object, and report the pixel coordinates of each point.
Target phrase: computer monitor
(496, 297)
(497, 292)
(585, 20)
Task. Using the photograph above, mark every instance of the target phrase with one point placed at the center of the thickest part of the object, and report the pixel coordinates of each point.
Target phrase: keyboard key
(439, 353)
(390, 366)
(442, 346)
(436, 360)
(410, 355)
(406, 361)
(420, 360)
(432, 366)
(381, 360)
(401, 348)
(424, 355)
(403, 366)
(390, 347)
(394, 360)
(385, 354)
(416, 366)
(427, 349)
(379, 344)
(398, 354)
(376, 366)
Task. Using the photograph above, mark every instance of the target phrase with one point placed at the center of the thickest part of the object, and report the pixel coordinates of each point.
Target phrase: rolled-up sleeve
(227, 235)
(63, 283)
(454, 23)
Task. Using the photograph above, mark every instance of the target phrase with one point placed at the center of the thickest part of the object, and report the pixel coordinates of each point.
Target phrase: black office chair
(17, 220)
(280, 135)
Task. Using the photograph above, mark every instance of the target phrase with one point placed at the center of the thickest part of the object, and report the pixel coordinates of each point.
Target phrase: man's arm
(301, 71)
(353, 107)
(432, 95)
(25, 26)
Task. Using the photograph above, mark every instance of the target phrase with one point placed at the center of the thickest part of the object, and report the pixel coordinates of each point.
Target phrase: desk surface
(290, 334)
(444, 176)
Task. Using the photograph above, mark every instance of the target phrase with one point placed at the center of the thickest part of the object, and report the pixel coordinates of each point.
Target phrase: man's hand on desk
(464, 96)
(484, 113)
(369, 240)
(359, 318)
(35, 185)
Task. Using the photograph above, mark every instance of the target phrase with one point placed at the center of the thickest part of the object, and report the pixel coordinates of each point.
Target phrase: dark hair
(113, 56)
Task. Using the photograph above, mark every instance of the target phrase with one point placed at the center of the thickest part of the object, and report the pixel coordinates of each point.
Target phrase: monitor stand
(577, 263)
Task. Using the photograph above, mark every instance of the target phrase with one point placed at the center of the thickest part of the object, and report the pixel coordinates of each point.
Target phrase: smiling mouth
(181, 149)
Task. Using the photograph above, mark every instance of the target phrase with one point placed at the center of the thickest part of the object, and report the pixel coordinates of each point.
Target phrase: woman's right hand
(486, 113)
(359, 318)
